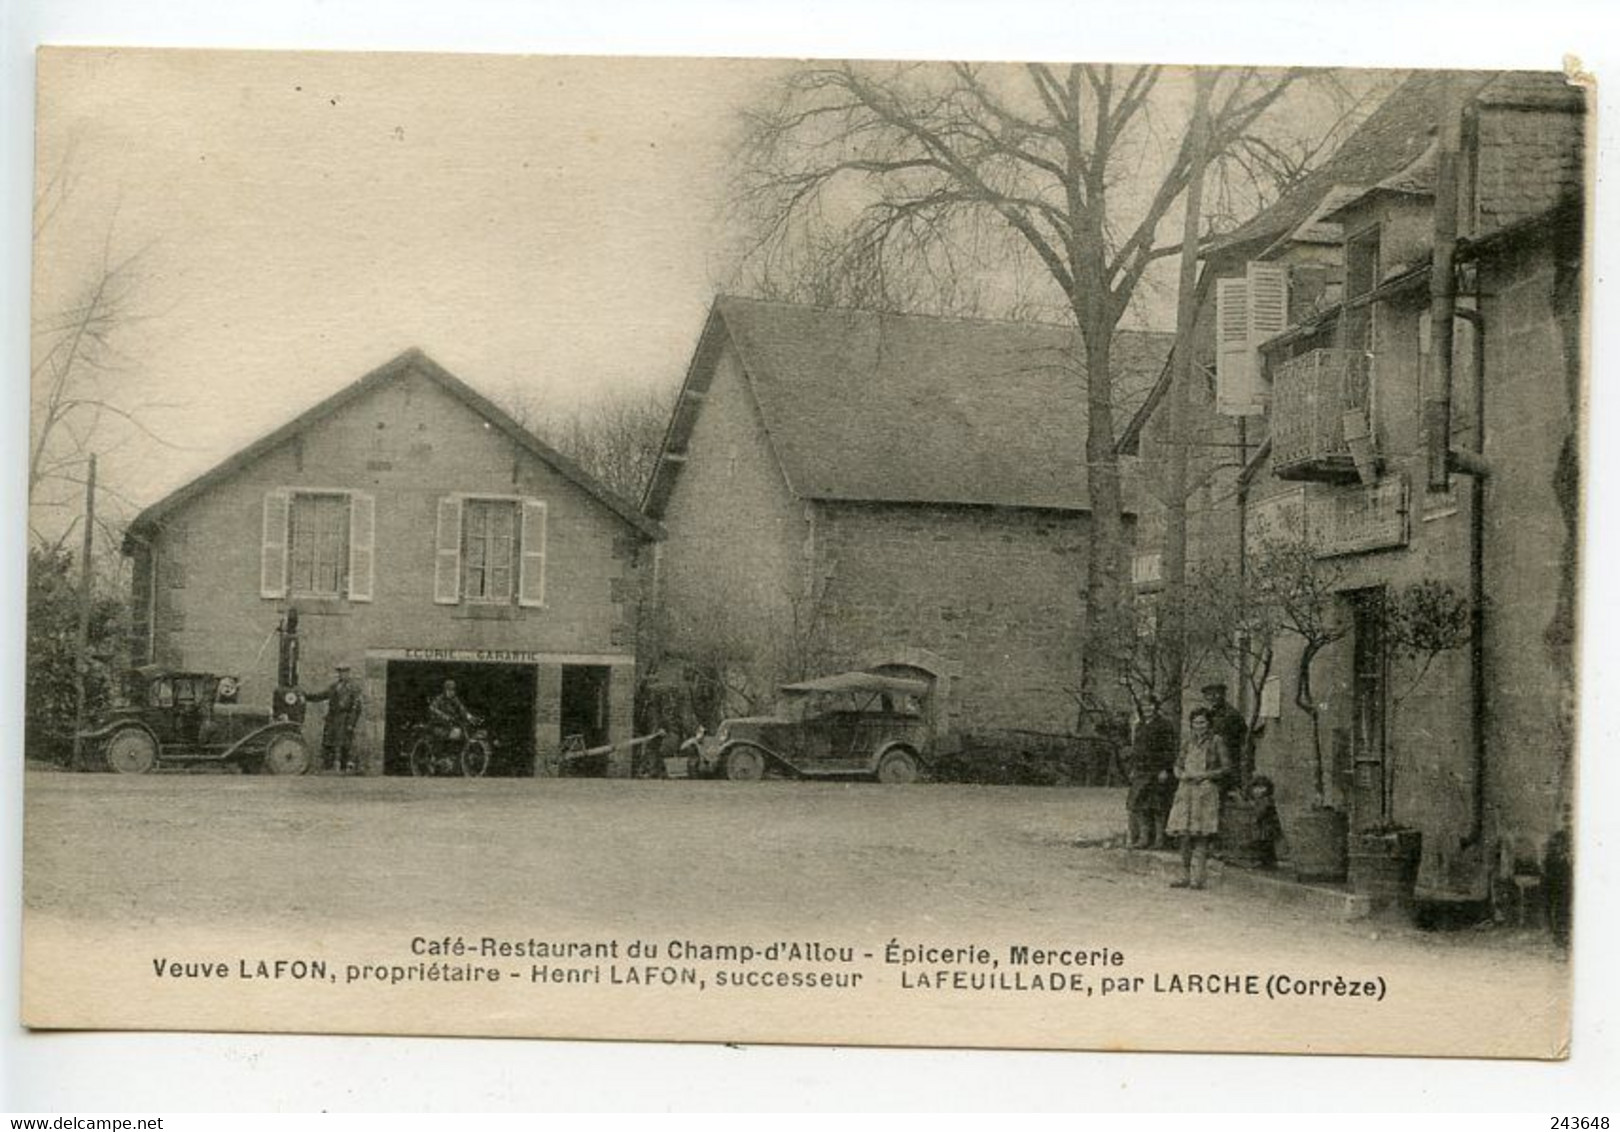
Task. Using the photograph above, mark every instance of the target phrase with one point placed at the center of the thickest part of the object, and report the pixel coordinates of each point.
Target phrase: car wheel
(131, 751)
(286, 754)
(745, 764)
(897, 768)
(475, 759)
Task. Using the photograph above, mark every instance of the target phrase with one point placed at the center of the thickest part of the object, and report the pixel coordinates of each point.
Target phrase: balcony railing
(1332, 519)
(1311, 397)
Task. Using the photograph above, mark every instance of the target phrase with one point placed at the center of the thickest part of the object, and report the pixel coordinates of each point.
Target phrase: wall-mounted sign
(474, 656)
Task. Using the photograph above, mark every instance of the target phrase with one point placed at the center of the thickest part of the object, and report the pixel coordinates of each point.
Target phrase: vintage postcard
(1071, 556)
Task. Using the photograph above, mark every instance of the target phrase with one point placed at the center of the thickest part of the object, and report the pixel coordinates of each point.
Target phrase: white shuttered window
(362, 542)
(1248, 311)
(273, 551)
(1234, 359)
(1268, 301)
(447, 563)
(532, 576)
(317, 544)
(490, 550)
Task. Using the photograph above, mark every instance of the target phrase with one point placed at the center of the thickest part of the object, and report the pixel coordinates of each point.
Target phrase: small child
(1267, 826)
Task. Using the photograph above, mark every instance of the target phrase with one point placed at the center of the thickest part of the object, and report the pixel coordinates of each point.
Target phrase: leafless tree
(80, 396)
(616, 439)
(1301, 592)
(919, 183)
(1277, 156)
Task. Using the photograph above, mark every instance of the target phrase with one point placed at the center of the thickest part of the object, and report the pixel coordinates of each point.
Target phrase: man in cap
(1152, 785)
(1227, 722)
(345, 702)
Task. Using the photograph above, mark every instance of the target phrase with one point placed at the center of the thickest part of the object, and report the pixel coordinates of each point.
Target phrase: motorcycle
(465, 750)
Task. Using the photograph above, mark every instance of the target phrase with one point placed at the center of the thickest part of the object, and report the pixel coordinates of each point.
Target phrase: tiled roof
(870, 407)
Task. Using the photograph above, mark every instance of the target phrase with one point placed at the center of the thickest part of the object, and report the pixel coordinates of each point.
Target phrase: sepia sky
(217, 310)
(548, 223)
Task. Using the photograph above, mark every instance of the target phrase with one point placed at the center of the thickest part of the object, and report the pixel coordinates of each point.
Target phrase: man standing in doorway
(345, 702)
(1227, 723)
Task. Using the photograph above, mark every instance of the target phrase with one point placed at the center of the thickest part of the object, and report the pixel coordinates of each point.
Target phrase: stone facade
(777, 584)
(1487, 784)
(406, 439)
(999, 591)
(734, 569)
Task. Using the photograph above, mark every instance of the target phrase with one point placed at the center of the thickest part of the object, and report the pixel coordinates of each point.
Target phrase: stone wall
(997, 591)
(407, 443)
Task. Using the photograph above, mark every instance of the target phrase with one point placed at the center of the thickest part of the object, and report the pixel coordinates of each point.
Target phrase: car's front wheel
(132, 751)
(745, 764)
(286, 754)
(897, 768)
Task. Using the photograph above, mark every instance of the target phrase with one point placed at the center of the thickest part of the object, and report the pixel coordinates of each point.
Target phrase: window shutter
(532, 574)
(1268, 301)
(273, 546)
(362, 537)
(447, 560)
(1235, 380)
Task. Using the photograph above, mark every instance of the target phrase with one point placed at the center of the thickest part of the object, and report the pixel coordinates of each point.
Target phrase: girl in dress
(1196, 813)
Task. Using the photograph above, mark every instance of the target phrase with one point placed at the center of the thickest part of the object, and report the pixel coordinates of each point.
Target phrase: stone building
(842, 488)
(421, 534)
(1317, 341)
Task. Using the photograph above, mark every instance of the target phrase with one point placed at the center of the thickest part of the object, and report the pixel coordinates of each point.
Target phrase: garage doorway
(503, 695)
(584, 709)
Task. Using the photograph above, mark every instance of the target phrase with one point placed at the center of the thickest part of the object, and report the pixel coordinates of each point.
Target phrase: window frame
(514, 508)
(344, 551)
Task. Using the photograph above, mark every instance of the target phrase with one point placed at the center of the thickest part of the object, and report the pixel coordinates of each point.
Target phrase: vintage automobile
(193, 717)
(852, 724)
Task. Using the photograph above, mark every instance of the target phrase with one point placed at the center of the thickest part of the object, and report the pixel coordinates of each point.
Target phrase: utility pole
(86, 600)
(1174, 622)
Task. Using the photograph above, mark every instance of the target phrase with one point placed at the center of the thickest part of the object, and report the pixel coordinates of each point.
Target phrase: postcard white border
(157, 1072)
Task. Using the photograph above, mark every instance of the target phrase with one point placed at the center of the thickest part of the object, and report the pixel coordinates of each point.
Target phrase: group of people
(1176, 789)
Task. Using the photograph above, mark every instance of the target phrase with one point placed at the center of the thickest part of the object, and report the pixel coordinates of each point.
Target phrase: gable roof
(869, 407)
(411, 361)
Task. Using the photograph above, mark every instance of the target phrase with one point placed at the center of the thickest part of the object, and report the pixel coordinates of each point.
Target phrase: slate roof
(1393, 138)
(861, 406)
(411, 361)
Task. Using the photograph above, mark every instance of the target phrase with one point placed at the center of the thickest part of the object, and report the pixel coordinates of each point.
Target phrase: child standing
(1267, 826)
(1195, 815)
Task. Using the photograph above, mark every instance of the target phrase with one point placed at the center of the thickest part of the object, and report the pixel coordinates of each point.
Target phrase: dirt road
(215, 856)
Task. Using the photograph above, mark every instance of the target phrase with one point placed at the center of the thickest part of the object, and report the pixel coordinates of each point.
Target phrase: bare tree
(1419, 623)
(615, 439)
(1276, 157)
(80, 400)
(1301, 591)
(1232, 620)
(931, 174)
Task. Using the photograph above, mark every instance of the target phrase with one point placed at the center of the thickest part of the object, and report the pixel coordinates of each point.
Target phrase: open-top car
(849, 724)
(193, 717)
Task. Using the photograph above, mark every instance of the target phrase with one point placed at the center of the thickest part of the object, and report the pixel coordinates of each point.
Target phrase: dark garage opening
(585, 702)
(502, 695)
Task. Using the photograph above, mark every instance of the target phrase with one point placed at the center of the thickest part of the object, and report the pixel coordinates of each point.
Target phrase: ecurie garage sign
(484, 656)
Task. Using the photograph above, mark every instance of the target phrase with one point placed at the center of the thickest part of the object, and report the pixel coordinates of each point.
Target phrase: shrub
(53, 630)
